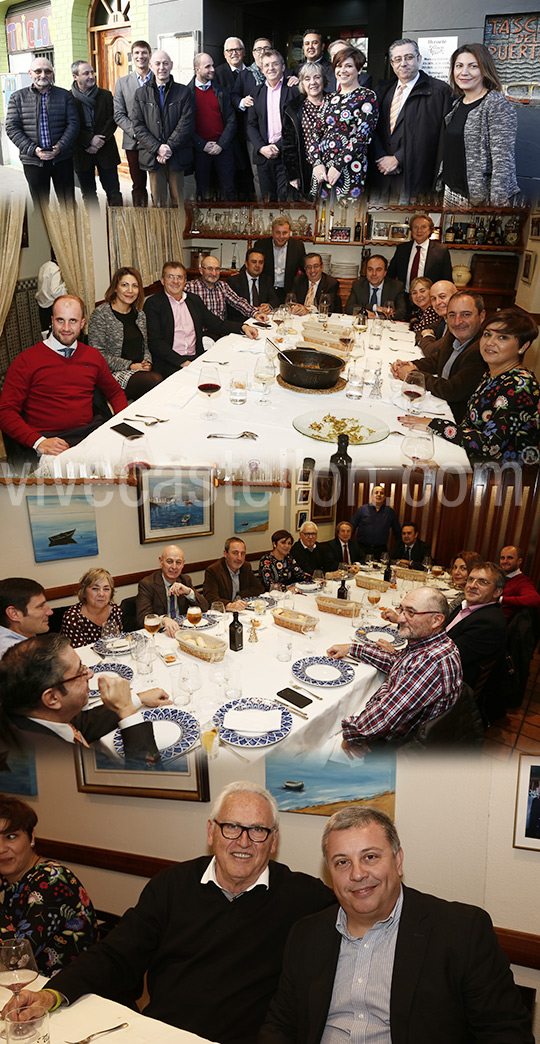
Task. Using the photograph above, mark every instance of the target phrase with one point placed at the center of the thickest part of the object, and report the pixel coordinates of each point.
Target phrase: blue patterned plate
(105, 647)
(175, 732)
(266, 598)
(372, 634)
(264, 739)
(206, 622)
(111, 668)
(323, 671)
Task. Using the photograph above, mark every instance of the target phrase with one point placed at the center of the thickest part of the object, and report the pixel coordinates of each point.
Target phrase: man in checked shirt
(424, 679)
(217, 294)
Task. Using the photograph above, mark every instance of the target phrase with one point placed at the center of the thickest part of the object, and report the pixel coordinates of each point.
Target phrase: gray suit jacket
(124, 93)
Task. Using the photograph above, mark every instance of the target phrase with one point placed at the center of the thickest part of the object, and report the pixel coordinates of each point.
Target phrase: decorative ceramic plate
(117, 646)
(175, 732)
(323, 671)
(372, 634)
(269, 601)
(206, 622)
(111, 668)
(311, 586)
(263, 739)
(326, 425)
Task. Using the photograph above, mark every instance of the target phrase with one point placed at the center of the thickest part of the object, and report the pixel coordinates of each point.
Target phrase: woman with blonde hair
(83, 622)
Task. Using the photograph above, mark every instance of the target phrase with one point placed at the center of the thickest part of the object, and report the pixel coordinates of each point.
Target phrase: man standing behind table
(96, 145)
(24, 611)
(209, 933)
(308, 287)
(283, 256)
(411, 115)
(46, 402)
(307, 553)
(253, 285)
(265, 127)
(227, 76)
(439, 294)
(42, 122)
(376, 290)
(519, 590)
(164, 593)
(215, 130)
(373, 523)
(163, 126)
(390, 951)
(410, 551)
(124, 94)
(216, 294)
(231, 580)
(422, 256)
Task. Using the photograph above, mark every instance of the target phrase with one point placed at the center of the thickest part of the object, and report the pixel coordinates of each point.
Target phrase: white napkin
(252, 722)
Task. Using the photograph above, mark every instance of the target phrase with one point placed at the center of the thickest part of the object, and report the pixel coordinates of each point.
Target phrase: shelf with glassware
(245, 220)
(485, 228)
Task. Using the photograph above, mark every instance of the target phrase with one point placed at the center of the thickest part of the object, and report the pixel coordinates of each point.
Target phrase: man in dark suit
(283, 256)
(96, 146)
(231, 579)
(265, 127)
(44, 688)
(215, 130)
(419, 947)
(175, 337)
(312, 46)
(410, 550)
(376, 290)
(308, 287)
(307, 553)
(455, 367)
(342, 548)
(422, 256)
(124, 94)
(479, 628)
(253, 284)
(164, 593)
(164, 125)
(227, 76)
(406, 141)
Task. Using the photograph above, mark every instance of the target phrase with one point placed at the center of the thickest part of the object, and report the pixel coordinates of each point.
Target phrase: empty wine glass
(290, 300)
(217, 609)
(18, 966)
(209, 384)
(264, 373)
(414, 389)
(191, 679)
(110, 630)
(418, 444)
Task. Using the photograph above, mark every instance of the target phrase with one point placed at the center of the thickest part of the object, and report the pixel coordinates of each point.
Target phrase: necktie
(373, 299)
(172, 607)
(235, 73)
(310, 296)
(346, 556)
(415, 265)
(161, 95)
(78, 737)
(395, 106)
(67, 352)
(254, 293)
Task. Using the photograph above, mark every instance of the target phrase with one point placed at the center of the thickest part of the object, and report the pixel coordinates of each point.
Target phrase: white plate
(362, 428)
(429, 403)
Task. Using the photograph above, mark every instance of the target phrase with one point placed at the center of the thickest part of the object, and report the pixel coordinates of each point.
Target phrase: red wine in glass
(413, 393)
(209, 384)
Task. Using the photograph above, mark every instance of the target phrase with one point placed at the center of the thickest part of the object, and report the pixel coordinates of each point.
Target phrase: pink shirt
(273, 95)
(184, 340)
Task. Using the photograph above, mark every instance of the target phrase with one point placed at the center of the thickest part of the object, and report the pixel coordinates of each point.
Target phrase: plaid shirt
(423, 681)
(218, 296)
(44, 132)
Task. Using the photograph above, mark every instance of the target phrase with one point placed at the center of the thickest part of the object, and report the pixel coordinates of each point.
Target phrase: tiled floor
(519, 731)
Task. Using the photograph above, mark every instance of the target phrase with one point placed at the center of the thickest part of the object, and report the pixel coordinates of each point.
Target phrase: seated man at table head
(389, 952)
(44, 689)
(373, 522)
(439, 295)
(376, 290)
(46, 404)
(209, 932)
(311, 283)
(231, 579)
(519, 590)
(24, 611)
(423, 680)
(410, 551)
(455, 367)
(176, 321)
(252, 284)
(308, 554)
(164, 593)
(478, 627)
(217, 295)
(342, 548)
(283, 256)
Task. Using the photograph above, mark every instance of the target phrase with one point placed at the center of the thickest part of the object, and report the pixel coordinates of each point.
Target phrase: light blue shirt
(457, 349)
(280, 260)
(9, 638)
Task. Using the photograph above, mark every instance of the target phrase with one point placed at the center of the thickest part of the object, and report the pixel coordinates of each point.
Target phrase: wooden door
(110, 47)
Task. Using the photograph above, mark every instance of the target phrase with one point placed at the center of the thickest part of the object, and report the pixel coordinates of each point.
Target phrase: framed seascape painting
(175, 503)
(251, 511)
(527, 816)
(317, 784)
(62, 525)
(183, 779)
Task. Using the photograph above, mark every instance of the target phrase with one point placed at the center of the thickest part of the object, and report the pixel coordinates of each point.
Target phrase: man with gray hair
(230, 75)
(265, 127)
(209, 932)
(307, 553)
(215, 130)
(424, 679)
(163, 127)
(96, 146)
(395, 964)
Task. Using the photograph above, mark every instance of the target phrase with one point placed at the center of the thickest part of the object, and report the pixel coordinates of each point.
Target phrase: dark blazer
(257, 125)
(175, 126)
(296, 253)
(467, 372)
(392, 291)
(328, 285)
(267, 294)
(334, 555)
(160, 328)
(152, 597)
(438, 262)
(227, 114)
(309, 560)
(419, 550)
(226, 79)
(107, 156)
(217, 584)
(480, 637)
(138, 740)
(444, 950)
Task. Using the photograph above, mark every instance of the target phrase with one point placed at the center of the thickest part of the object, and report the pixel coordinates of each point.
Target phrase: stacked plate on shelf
(344, 269)
(326, 260)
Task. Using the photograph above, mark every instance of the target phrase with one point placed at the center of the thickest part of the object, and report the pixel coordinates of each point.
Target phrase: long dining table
(181, 434)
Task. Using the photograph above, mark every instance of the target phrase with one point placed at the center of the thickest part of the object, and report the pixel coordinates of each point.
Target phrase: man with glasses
(209, 933)
(265, 127)
(307, 553)
(217, 295)
(311, 283)
(424, 679)
(227, 75)
(411, 114)
(479, 627)
(44, 689)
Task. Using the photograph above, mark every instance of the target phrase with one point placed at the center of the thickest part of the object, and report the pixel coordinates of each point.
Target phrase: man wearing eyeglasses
(209, 933)
(228, 74)
(479, 627)
(423, 680)
(411, 114)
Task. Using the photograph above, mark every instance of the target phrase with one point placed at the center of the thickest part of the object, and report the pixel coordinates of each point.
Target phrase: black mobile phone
(297, 698)
(127, 430)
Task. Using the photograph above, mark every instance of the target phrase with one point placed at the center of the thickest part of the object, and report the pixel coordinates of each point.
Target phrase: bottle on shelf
(236, 634)
(481, 233)
(450, 233)
(471, 231)
(358, 232)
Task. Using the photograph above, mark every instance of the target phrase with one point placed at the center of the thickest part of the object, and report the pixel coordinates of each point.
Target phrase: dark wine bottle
(341, 458)
(342, 591)
(387, 573)
(236, 634)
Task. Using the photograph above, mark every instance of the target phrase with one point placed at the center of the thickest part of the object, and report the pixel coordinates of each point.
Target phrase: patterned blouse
(502, 421)
(426, 320)
(50, 908)
(311, 114)
(344, 133)
(272, 571)
(80, 630)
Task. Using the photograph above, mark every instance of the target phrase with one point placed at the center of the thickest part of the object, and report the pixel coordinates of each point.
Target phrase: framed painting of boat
(62, 526)
(321, 782)
(175, 503)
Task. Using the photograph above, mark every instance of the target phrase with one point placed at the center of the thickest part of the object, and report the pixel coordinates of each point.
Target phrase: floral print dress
(502, 421)
(272, 571)
(50, 908)
(344, 133)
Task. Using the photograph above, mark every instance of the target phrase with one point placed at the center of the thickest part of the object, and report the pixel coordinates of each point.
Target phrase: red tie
(415, 265)
(346, 556)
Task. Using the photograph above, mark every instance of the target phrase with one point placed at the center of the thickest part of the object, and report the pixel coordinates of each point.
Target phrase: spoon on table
(146, 423)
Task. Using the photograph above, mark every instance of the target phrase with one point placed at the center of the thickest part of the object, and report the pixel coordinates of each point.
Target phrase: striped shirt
(218, 296)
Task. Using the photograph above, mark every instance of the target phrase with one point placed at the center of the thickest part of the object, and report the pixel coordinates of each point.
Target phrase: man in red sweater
(519, 590)
(215, 129)
(46, 402)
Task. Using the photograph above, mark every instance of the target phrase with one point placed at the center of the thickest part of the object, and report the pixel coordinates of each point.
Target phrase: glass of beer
(194, 615)
(152, 624)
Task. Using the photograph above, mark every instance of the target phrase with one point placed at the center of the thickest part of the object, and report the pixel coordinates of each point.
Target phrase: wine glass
(374, 598)
(325, 301)
(152, 623)
(360, 318)
(191, 679)
(290, 300)
(377, 326)
(346, 337)
(209, 384)
(217, 609)
(270, 349)
(418, 445)
(389, 309)
(264, 374)
(414, 389)
(18, 966)
(279, 316)
(110, 630)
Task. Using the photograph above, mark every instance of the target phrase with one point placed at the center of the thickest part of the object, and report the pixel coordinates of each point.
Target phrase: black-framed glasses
(233, 831)
(411, 613)
(83, 672)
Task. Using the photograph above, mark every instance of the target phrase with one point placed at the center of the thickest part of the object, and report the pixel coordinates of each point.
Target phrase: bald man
(215, 130)
(163, 592)
(440, 294)
(164, 125)
(42, 122)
